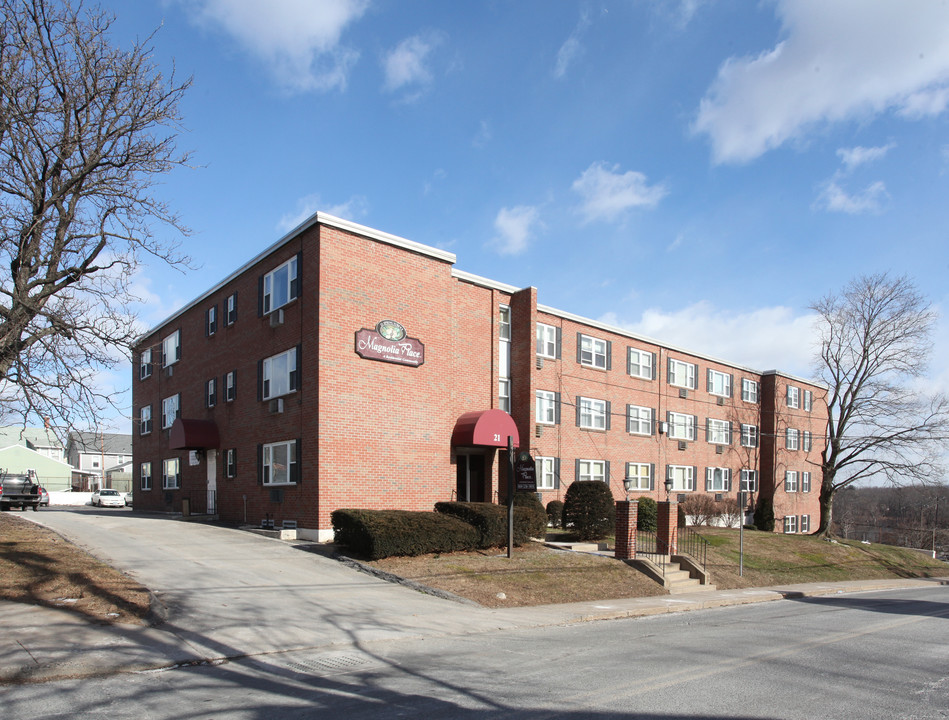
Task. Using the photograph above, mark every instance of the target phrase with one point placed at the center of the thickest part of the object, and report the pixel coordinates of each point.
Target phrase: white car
(108, 498)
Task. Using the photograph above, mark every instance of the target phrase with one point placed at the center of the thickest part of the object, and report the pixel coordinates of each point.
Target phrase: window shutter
(652, 422)
(579, 346)
(576, 470)
(232, 318)
(608, 414)
(609, 354)
(708, 430)
(260, 464)
(260, 380)
(652, 476)
(295, 375)
(695, 424)
(708, 380)
(606, 474)
(728, 480)
(653, 371)
(731, 384)
(260, 296)
(559, 343)
(556, 473)
(556, 408)
(629, 418)
(296, 283)
(298, 466)
(708, 478)
(728, 433)
(207, 322)
(695, 474)
(578, 411)
(178, 345)
(669, 370)
(695, 377)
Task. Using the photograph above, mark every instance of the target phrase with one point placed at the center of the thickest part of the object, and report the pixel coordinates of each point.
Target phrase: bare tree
(874, 346)
(86, 130)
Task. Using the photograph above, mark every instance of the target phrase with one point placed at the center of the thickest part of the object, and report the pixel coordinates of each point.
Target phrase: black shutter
(556, 473)
(609, 354)
(260, 296)
(629, 418)
(708, 380)
(654, 369)
(297, 282)
(260, 464)
(578, 411)
(652, 422)
(652, 476)
(579, 345)
(606, 473)
(260, 379)
(207, 322)
(298, 466)
(556, 408)
(708, 473)
(559, 343)
(576, 470)
(708, 430)
(731, 385)
(608, 414)
(295, 375)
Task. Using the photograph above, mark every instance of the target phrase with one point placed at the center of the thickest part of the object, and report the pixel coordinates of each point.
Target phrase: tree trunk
(827, 491)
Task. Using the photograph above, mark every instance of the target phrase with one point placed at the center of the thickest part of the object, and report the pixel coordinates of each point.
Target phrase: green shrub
(555, 513)
(589, 509)
(529, 510)
(377, 534)
(764, 515)
(646, 514)
(490, 521)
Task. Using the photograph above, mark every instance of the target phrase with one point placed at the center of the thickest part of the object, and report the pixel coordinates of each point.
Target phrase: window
(790, 481)
(145, 420)
(681, 426)
(230, 463)
(591, 470)
(640, 363)
(170, 474)
(749, 481)
(171, 349)
(718, 432)
(504, 322)
(805, 523)
(791, 439)
(170, 411)
(805, 482)
(548, 341)
(593, 414)
(682, 374)
(749, 390)
(230, 386)
(790, 524)
(280, 286)
(230, 310)
(210, 395)
(593, 352)
(639, 420)
(794, 397)
(719, 383)
(718, 479)
(682, 476)
(145, 476)
(210, 321)
(548, 471)
(548, 407)
(280, 463)
(749, 435)
(145, 364)
(641, 475)
(504, 394)
(806, 441)
(279, 374)
(808, 403)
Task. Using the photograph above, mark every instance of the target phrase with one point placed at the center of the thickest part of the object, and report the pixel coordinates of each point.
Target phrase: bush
(589, 509)
(529, 510)
(377, 534)
(490, 521)
(701, 508)
(647, 514)
(554, 513)
(764, 515)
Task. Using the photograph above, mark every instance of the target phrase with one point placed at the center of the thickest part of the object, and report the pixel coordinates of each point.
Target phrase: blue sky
(695, 171)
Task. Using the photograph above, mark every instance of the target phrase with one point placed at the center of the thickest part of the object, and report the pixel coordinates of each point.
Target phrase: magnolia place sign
(388, 343)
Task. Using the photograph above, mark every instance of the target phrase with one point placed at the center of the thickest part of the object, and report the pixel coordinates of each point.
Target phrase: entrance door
(470, 476)
(212, 481)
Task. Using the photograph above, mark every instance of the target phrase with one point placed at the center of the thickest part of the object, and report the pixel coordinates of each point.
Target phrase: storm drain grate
(328, 663)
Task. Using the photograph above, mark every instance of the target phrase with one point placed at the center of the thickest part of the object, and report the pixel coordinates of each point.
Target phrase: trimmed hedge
(490, 521)
(647, 513)
(589, 510)
(554, 513)
(535, 517)
(377, 534)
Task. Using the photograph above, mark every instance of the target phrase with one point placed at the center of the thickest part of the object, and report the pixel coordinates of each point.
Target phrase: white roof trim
(483, 282)
(373, 234)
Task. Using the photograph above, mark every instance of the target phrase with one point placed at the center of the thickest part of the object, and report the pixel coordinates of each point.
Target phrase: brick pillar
(626, 518)
(667, 527)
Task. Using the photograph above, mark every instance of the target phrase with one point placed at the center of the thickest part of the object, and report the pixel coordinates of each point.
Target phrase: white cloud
(856, 156)
(356, 208)
(836, 199)
(515, 228)
(837, 61)
(607, 193)
(484, 135)
(406, 68)
(770, 338)
(298, 40)
(572, 49)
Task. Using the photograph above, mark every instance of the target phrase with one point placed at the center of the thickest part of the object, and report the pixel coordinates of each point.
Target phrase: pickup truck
(20, 491)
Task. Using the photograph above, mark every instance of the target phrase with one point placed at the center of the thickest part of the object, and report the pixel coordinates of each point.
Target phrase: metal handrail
(693, 545)
(649, 545)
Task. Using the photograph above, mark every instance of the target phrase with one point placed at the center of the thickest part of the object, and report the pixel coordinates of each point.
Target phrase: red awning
(488, 428)
(193, 435)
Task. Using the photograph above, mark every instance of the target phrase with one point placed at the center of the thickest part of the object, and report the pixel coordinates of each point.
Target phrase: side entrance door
(470, 478)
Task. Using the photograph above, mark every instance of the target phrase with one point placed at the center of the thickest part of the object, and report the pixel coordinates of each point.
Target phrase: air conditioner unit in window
(663, 427)
(538, 430)
(718, 497)
(683, 445)
(719, 449)
(170, 370)
(540, 363)
(276, 405)
(720, 401)
(289, 524)
(276, 318)
(683, 393)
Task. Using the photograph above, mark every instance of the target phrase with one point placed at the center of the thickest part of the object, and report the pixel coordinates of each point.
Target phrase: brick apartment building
(346, 367)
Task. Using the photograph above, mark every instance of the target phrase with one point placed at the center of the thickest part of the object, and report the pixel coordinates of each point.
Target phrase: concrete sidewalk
(42, 644)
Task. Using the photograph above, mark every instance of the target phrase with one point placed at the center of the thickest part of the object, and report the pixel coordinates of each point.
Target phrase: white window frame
(719, 431)
(718, 479)
(145, 364)
(806, 440)
(683, 477)
(807, 401)
(283, 279)
(546, 342)
(145, 420)
(793, 397)
(591, 471)
(593, 352)
(230, 386)
(683, 374)
(230, 310)
(640, 420)
(719, 383)
(790, 481)
(749, 435)
(171, 348)
(681, 426)
(792, 439)
(546, 470)
(210, 392)
(592, 414)
(805, 523)
(145, 476)
(639, 364)
(170, 481)
(504, 394)
(289, 447)
(230, 463)
(641, 474)
(750, 390)
(805, 481)
(749, 481)
(170, 410)
(790, 524)
(280, 379)
(212, 320)
(546, 407)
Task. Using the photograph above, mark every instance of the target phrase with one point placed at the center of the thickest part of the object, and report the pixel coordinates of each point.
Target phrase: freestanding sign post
(510, 495)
